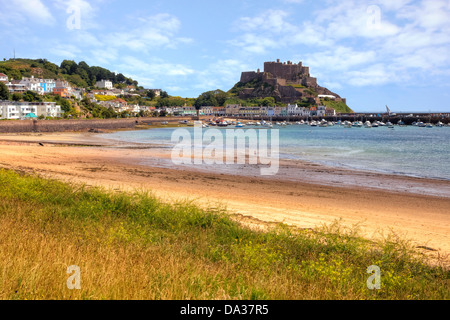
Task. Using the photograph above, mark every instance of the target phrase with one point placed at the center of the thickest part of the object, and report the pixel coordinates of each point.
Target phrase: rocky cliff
(287, 82)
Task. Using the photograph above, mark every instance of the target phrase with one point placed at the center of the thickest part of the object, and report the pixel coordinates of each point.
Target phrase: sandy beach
(302, 194)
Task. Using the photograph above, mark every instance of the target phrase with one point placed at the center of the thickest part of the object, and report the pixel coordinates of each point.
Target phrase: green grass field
(135, 246)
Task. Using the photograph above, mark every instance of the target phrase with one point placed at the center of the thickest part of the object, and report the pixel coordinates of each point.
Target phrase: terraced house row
(40, 86)
(253, 112)
(12, 110)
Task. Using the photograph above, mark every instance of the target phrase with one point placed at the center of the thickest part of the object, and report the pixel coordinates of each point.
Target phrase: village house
(157, 92)
(330, 112)
(207, 111)
(16, 87)
(218, 111)
(305, 112)
(232, 110)
(293, 110)
(63, 89)
(104, 84)
(3, 78)
(189, 111)
(119, 105)
(22, 110)
(78, 93)
(321, 111)
(48, 85)
(129, 89)
(33, 84)
(147, 109)
(252, 112)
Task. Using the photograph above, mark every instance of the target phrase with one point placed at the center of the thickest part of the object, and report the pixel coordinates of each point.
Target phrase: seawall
(19, 126)
(23, 126)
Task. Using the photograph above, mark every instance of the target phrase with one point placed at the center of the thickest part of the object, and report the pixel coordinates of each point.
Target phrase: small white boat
(429, 125)
(239, 125)
(323, 123)
(439, 124)
(313, 124)
(375, 124)
(367, 124)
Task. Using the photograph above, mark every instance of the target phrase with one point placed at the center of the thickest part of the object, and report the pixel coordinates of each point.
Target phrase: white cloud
(66, 51)
(271, 20)
(86, 9)
(157, 31)
(156, 68)
(340, 58)
(103, 57)
(14, 12)
(358, 42)
(378, 74)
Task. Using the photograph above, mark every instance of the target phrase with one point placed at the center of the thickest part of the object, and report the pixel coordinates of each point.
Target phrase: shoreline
(391, 202)
(290, 169)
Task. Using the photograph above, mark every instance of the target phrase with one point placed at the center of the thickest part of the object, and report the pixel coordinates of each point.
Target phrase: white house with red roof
(3, 78)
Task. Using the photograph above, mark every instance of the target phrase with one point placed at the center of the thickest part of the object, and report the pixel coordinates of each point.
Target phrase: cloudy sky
(374, 53)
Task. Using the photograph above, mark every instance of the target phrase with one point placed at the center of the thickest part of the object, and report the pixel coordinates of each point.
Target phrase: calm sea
(411, 151)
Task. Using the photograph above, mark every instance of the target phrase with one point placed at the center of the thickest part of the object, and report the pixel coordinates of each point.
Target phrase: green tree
(4, 92)
(269, 101)
(16, 96)
(120, 78)
(69, 66)
(31, 96)
(65, 105)
(151, 94)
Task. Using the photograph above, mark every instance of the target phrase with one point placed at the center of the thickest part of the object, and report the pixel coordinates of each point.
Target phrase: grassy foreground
(133, 246)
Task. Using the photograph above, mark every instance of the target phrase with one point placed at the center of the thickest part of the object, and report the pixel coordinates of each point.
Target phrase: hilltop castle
(288, 82)
(282, 73)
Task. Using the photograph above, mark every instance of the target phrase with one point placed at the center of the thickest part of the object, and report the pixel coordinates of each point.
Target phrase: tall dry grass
(134, 246)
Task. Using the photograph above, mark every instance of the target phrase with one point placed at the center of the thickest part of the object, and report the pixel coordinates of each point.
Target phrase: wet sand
(303, 194)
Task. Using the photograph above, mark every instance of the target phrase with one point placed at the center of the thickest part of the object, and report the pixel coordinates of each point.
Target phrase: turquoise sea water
(410, 151)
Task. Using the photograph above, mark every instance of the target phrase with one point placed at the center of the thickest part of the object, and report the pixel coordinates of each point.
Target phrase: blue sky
(374, 53)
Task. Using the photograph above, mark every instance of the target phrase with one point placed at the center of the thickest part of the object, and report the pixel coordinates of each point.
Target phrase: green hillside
(78, 74)
(339, 106)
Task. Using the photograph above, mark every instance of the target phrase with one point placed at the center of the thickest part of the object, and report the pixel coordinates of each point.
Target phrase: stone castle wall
(281, 75)
(248, 76)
